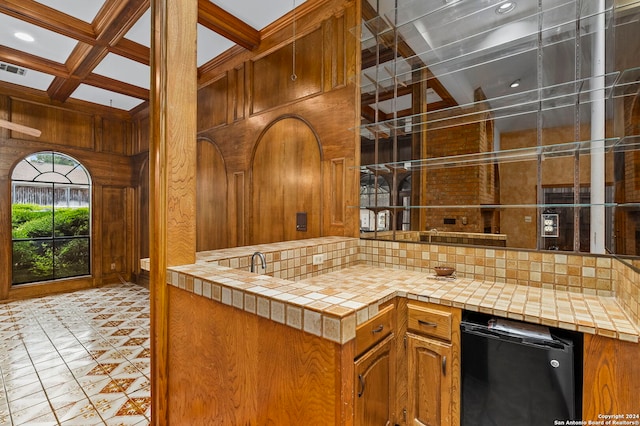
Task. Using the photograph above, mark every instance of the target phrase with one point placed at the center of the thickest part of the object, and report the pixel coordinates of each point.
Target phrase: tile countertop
(333, 304)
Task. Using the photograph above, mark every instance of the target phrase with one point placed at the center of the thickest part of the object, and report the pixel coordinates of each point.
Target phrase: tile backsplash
(559, 271)
(575, 273)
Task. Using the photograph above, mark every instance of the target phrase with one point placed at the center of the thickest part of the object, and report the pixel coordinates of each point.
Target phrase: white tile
(294, 317)
(277, 311)
(348, 328)
(197, 286)
(250, 303)
(238, 299)
(263, 307)
(206, 289)
(362, 316)
(312, 322)
(331, 329)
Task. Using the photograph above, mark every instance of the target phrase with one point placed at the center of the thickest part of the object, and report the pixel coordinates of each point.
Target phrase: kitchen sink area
(356, 276)
(338, 309)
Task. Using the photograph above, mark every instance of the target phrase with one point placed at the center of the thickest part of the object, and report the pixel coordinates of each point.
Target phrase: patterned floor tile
(80, 358)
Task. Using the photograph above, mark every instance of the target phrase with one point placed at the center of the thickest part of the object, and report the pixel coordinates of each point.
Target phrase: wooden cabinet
(375, 370)
(375, 385)
(430, 381)
(433, 365)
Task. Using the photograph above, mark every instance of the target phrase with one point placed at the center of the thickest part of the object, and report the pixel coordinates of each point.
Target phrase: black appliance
(517, 374)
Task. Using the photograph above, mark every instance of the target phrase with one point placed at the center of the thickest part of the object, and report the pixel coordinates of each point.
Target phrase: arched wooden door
(286, 179)
(212, 228)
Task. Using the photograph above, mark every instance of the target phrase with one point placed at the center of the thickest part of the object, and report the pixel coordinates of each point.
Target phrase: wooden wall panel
(113, 238)
(58, 126)
(212, 104)
(142, 212)
(238, 207)
(286, 179)
(260, 93)
(114, 133)
(218, 369)
(272, 83)
(211, 211)
(337, 190)
(98, 143)
(238, 94)
(335, 61)
(141, 134)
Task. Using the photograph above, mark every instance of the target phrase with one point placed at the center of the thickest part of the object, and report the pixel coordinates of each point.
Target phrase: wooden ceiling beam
(32, 62)
(222, 22)
(117, 86)
(132, 50)
(43, 16)
(113, 21)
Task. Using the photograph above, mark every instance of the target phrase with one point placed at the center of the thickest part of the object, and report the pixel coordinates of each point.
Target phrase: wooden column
(172, 155)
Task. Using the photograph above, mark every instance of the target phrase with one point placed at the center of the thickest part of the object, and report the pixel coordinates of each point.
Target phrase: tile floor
(80, 358)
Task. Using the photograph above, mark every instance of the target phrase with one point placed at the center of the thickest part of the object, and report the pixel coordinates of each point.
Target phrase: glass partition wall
(502, 123)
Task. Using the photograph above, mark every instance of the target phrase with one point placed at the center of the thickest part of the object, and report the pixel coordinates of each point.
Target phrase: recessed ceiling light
(24, 36)
(515, 84)
(506, 7)
(451, 1)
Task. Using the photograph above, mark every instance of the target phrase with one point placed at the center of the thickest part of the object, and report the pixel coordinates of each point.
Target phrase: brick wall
(459, 185)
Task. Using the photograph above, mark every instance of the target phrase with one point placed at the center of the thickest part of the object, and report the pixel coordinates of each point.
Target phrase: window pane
(71, 221)
(31, 221)
(32, 261)
(51, 197)
(71, 257)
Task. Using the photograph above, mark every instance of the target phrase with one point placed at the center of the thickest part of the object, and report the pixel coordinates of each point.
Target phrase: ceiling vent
(12, 69)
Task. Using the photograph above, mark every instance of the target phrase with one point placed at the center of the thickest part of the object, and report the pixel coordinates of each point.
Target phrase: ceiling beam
(114, 20)
(43, 16)
(222, 22)
(36, 63)
(117, 86)
(132, 50)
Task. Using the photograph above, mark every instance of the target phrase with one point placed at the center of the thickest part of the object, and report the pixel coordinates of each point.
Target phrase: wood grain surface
(230, 367)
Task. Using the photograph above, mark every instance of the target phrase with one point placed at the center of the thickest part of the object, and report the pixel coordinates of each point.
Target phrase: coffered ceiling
(98, 51)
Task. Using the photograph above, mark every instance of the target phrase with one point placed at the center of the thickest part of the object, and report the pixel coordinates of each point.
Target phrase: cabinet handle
(378, 329)
(427, 323)
(361, 391)
(444, 365)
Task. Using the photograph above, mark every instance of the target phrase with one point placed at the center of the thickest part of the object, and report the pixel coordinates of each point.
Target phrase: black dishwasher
(518, 374)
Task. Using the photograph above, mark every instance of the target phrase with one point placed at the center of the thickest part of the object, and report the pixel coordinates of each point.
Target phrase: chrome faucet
(263, 261)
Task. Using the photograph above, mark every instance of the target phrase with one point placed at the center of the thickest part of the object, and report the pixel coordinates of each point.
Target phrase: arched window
(50, 218)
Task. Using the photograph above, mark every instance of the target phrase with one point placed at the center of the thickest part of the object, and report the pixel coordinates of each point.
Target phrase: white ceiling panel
(31, 78)
(258, 14)
(210, 45)
(96, 95)
(51, 46)
(141, 30)
(85, 10)
(46, 44)
(123, 69)
(401, 103)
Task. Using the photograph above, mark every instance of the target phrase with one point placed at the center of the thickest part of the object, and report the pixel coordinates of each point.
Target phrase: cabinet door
(430, 384)
(375, 385)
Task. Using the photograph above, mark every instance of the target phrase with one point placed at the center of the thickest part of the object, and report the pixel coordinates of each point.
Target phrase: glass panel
(24, 170)
(32, 261)
(71, 257)
(72, 221)
(485, 111)
(47, 205)
(31, 221)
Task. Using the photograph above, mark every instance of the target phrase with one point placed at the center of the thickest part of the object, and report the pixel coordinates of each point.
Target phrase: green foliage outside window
(37, 255)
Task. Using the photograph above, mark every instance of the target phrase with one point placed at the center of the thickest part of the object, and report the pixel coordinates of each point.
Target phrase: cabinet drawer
(430, 321)
(375, 329)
